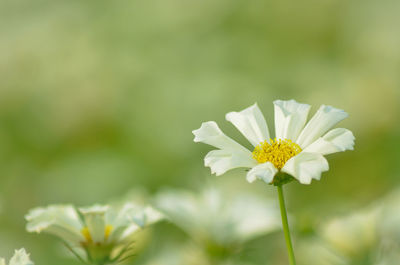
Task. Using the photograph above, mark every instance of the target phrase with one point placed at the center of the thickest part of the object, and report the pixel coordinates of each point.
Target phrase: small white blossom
(20, 258)
(370, 236)
(355, 234)
(297, 150)
(315, 251)
(101, 232)
(212, 217)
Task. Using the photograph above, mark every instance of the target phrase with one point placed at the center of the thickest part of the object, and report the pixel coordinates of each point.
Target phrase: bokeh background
(99, 98)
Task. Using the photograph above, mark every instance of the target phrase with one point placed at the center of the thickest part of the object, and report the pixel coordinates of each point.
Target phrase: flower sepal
(99, 253)
(281, 179)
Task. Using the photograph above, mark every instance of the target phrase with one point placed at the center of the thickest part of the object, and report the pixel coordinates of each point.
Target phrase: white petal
(94, 218)
(182, 208)
(209, 133)
(2, 261)
(152, 216)
(251, 123)
(130, 218)
(129, 231)
(146, 216)
(325, 118)
(306, 166)
(59, 220)
(265, 172)
(290, 118)
(232, 155)
(221, 161)
(336, 140)
(252, 216)
(20, 258)
(119, 219)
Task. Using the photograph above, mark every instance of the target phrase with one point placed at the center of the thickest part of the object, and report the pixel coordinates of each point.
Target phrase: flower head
(298, 148)
(20, 258)
(215, 219)
(101, 232)
(355, 234)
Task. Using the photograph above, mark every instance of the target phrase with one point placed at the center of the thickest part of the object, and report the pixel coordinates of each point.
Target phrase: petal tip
(199, 133)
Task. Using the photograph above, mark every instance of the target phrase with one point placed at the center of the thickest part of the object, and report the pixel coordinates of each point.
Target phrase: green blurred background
(100, 97)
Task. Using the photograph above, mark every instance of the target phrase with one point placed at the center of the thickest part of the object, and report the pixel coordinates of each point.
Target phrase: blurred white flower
(350, 239)
(297, 150)
(390, 223)
(389, 229)
(99, 234)
(220, 223)
(20, 258)
(314, 251)
(355, 234)
(370, 236)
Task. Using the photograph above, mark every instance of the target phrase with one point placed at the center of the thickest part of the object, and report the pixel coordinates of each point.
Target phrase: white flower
(314, 251)
(20, 258)
(212, 217)
(298, 148)
(355, 234)
(367, 236)
(101, 232)
(349, 239)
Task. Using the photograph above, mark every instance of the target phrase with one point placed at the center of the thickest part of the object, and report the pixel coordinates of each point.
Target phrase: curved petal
(306, 166)
(251, 123)
(142, 217)
(209, 133)
(21, 258)
(59, 220)
(265, 172)
(336, 140)
(221, 161)
(119, 220)
(94, 218)
(182, 208)
(290, 118)
(2, 261)
(325, 118)
(232, 155)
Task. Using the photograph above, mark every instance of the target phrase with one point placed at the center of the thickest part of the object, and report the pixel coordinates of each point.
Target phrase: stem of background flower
(285, 226)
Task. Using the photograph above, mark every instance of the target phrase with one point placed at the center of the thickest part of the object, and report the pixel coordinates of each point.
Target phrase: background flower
(366, 236)
(218, 222)
(102, 233)
(97, 97)
(20, 258)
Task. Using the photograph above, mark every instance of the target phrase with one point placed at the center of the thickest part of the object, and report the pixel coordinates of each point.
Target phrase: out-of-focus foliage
(99, 97)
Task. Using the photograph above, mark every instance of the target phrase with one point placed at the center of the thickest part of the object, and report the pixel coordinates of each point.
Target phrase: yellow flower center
(86, 233)
(277, 151)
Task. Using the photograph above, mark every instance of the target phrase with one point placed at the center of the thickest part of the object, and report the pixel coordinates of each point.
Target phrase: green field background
(98, 100)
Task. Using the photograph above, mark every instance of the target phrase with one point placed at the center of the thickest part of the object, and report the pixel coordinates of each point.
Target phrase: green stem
(285, 225)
